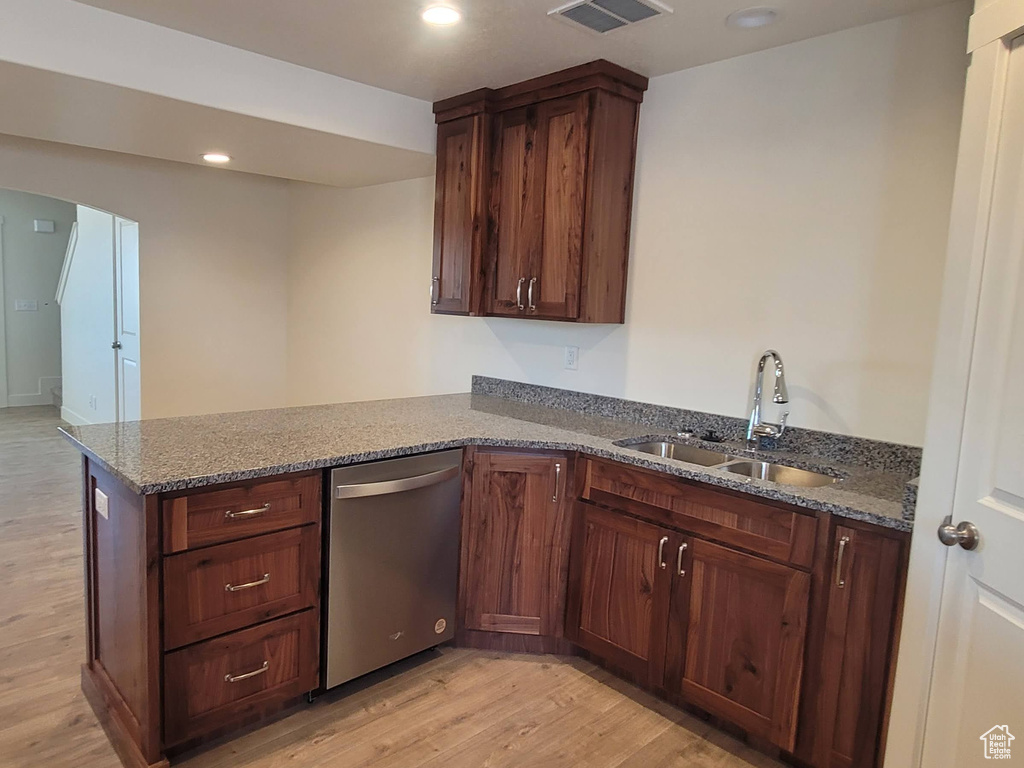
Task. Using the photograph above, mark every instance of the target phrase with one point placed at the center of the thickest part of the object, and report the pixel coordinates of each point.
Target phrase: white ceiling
(384, 43)
(47, 105)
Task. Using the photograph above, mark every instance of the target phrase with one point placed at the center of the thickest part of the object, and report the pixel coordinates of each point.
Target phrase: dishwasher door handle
(359, 490)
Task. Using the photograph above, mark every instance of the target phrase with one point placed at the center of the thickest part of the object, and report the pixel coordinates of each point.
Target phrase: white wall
(87, 322)
(31, 267)
(213, 267)
(795, 198)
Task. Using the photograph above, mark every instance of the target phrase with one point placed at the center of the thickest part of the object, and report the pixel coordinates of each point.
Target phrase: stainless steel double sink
(737, 465)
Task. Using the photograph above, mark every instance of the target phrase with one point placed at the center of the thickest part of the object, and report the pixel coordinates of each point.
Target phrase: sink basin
(681, 452)
(779, 473)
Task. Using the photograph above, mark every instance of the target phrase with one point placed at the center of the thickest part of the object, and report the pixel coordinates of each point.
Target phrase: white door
(126, 313)
(963, 705)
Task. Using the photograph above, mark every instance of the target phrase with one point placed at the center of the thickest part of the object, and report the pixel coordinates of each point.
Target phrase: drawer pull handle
(558, 477)
(229, 678)
(247, 512)
(661, 552)
(250, 585)
(679, 559)
(840, 581)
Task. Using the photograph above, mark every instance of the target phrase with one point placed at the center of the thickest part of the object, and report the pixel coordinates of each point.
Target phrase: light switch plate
(102, 504)
(44, 226)
(26, 305)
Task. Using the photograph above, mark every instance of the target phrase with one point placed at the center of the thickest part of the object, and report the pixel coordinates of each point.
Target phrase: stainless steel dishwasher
(393, 559)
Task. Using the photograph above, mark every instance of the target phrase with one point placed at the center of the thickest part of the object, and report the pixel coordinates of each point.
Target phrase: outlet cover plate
(572, 358)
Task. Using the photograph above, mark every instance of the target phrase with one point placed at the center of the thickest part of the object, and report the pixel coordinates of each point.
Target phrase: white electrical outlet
(572, 358)
(102, 504)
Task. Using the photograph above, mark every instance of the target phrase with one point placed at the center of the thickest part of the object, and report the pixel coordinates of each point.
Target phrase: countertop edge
(679, 469)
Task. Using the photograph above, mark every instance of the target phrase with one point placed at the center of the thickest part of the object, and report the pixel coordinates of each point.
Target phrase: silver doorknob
(116, 345)
(964, 533)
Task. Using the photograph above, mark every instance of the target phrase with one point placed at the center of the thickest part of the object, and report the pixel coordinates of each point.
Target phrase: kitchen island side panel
(121, 674)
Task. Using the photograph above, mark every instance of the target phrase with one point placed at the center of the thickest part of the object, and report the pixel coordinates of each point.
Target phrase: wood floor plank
(452, 708)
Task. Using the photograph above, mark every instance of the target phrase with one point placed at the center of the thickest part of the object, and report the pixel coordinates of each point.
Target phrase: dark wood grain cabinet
(460, 215)
(554, 159)
(619, 591)
(202, 607)
(864, 578)
(775, 620)
(736, 638)
(515, 545)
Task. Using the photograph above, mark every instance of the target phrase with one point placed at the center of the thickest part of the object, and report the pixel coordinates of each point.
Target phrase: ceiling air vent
(607, 15)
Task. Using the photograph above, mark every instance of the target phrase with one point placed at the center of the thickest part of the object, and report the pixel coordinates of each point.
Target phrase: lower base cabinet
(515, 548)
(864, 582)
(619, 587)
(721, 629)
(736, 639)
(688, 593)
(232, 678)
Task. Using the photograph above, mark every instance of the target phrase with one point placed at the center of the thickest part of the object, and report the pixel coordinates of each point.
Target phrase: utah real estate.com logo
(997, 742)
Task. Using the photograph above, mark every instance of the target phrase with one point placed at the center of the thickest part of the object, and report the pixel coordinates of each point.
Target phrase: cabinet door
(517, 209)
(553, 288)
(863, 590)
(736, 639)
(618, 591)
(459, 215)
(515, 544)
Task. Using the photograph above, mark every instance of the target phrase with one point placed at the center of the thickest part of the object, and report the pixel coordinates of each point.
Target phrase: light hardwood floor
(443, 710)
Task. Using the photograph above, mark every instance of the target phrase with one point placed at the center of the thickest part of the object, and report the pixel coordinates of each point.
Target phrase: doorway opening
(69, 329)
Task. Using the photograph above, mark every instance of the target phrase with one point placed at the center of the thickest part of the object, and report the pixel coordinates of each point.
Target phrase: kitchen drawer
(219, 589)
(211, 517)
(778, 532)
(231, 679)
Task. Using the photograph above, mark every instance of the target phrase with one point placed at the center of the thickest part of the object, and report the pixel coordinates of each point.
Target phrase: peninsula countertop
(161, 455)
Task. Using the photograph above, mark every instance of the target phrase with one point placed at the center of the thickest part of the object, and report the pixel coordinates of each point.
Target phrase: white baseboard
(72, 418)
(43, 397)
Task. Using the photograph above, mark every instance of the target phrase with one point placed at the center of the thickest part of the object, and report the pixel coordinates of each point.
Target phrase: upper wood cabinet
(534, 197)
(515, 543)
(460, 215)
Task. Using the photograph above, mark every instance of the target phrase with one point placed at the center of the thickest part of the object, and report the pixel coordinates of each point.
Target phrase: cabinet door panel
(742, 657)
(516, 544)
(563, 125)
(619, 590)
(459, 214)
(858, 640)
(517, 209)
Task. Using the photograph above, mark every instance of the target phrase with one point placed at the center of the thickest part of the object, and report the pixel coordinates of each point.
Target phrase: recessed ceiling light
(441, 15)
(217, 157)
(751, 18)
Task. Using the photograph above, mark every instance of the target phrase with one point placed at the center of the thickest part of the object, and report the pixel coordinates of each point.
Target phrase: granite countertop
(161, 455)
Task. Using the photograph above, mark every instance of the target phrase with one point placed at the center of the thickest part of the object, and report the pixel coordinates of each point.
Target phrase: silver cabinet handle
(229, 678)
(558, 475)
(249, 585)
(679, 559)
(519, 293)
(840, 581)
(435, 291)
(529, 295)
(247, 512)
(661, 552)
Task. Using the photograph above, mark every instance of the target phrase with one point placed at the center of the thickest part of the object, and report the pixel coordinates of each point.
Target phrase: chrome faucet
(757, 428)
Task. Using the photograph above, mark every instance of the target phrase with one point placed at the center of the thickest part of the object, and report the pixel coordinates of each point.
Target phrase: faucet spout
(757, 429)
